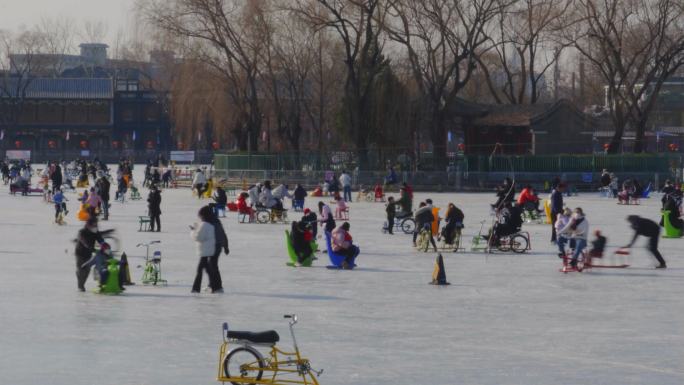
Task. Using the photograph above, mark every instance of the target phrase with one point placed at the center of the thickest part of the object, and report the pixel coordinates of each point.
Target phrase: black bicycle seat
(267, 337)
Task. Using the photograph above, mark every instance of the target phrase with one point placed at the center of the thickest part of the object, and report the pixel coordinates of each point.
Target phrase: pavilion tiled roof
(57, 88)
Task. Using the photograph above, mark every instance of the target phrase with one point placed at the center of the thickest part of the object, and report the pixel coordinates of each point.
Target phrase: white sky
(116, 14)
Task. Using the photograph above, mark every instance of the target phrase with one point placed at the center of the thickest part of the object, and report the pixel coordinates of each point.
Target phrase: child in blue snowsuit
(60, 203)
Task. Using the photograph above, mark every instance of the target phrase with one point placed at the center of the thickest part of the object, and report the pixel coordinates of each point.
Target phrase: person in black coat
(56, 178)
(221, 200)
(215, 281)
(103, 186)
(299, 195)
(650, 229)
(300, 244)
(85, 246)
(505, 193)
(556, 207)
(311, 219)
(154, 207)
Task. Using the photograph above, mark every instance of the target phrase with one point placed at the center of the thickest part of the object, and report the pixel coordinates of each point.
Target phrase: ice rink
(505, 320)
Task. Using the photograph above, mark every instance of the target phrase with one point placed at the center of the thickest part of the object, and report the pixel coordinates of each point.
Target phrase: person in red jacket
(528, 200)
(379, 193)
(243, 207)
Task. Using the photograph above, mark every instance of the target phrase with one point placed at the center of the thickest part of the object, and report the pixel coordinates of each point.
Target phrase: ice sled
(670, 230)
(335, 258)
(293, 255)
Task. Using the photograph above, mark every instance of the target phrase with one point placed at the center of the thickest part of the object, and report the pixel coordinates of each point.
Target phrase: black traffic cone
(127, 271)
(439, 274)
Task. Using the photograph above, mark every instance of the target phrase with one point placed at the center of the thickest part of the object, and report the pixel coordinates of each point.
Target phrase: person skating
(221, 245)
(60, 204)
(85, 246)
(346, 182)
(562, 220)
(103, 186)
(203, 234)
(556, 207)
(578, 230)
(391, 211)
(326, 219)
(299, 196)
(647, 228)
(56, 177)
(221, 200)
(199, 182)
(154, 207)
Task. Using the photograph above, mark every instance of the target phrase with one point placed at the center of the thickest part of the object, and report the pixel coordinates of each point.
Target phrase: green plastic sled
(293, 255)
(112, 285)
(670, 231)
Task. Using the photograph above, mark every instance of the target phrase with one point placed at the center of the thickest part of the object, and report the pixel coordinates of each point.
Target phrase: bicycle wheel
(243, 363)
(263, 216)
(408, 225)
(370, 198)
(519, 243)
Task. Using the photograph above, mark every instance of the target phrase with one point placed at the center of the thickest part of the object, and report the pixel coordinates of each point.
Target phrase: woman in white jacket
(205, 242)
(578, 229)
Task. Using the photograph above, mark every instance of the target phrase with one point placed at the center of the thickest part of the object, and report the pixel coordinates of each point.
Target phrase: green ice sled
(293, 255)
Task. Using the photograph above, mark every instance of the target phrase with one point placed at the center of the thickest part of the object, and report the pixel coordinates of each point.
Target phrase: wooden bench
(146, 222)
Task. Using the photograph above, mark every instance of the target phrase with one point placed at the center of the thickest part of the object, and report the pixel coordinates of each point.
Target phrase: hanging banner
(18, 154)
(183, 156)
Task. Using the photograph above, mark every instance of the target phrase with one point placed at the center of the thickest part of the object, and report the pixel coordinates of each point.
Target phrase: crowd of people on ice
(569, 227)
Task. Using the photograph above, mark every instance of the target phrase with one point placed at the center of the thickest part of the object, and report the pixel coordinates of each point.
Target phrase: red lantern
(115, 144)
(150, 145)
(52, 144)
(83, 144)
(17, 144)
(215, 145)
(461, 147)
(673, 147)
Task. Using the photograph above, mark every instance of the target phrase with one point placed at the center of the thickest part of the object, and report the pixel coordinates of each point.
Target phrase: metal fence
(464, 172)
(625, 163)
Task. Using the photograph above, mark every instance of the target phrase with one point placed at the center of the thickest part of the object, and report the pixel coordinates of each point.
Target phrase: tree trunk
(616, 141)
(438, 138)
(639, 144)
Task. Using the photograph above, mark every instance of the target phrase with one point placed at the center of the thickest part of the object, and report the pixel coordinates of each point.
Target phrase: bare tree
(20, 57)
(358, 25)
(227, 35)
(56, 39)
(94, 31)
(443, 39)
(289, 61)
(523, 48)
(636, 45)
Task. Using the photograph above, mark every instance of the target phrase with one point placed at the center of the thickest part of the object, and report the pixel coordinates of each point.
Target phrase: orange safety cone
(439, 274)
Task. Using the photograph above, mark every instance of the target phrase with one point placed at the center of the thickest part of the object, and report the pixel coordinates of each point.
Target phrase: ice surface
(506, 319)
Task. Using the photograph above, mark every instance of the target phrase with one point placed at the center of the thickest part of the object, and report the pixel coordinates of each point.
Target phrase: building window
(127, 114)
(151, 113)
(100, 113)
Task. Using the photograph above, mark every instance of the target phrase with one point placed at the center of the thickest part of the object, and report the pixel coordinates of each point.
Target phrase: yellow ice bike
(244, 364)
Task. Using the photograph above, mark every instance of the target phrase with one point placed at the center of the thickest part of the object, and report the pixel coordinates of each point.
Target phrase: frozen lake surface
(505, 320)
